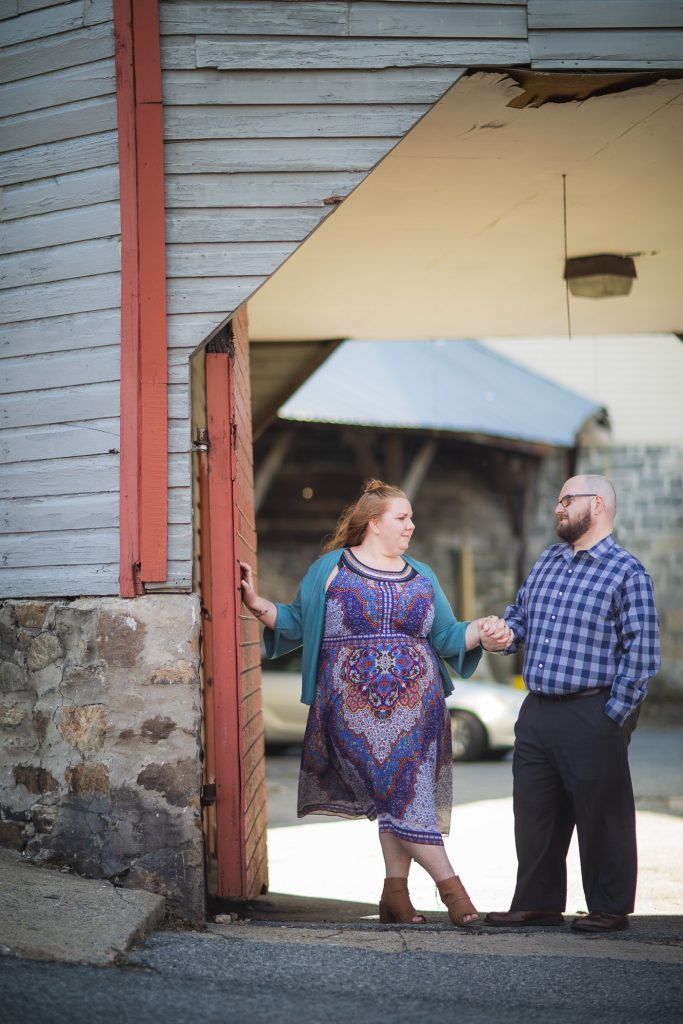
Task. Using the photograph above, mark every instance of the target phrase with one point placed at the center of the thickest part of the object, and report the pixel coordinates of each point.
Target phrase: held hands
(494, 633)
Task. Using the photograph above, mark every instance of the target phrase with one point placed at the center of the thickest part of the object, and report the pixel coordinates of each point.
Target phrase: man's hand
(495, 634)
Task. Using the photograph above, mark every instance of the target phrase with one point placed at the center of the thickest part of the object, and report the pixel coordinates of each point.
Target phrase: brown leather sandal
(460, 906)
(395, 906)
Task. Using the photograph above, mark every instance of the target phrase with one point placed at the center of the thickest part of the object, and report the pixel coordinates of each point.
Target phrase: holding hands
(494, 633)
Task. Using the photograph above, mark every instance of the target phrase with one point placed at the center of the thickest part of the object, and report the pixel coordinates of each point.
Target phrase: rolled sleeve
(288, 633)
(639, 658)
(448, 638)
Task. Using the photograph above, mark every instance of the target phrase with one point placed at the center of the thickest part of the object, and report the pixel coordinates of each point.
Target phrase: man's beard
(570, 532)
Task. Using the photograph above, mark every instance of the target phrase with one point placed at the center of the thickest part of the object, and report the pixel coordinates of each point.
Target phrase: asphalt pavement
(313, 949)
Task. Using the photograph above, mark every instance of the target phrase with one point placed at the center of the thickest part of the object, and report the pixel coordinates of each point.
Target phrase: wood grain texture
(210, 87)
(59, 334)
(606, 48)
(188, 296)
(83, 188)
(263, 18)
(210, 260)
(274, 155)
(260, 191)
(31, 233)
(60, 263)
(55, 20)
(296, 122)
(240, 225)
(101, 291)
(75, 512)
(72, 476)
(357, 53)
(85, 81)
(99, 580)
(56, 370)
(442, 21)
(617, 14)
(58, 158)
(53, 53)
(69, 121)
(94, 437)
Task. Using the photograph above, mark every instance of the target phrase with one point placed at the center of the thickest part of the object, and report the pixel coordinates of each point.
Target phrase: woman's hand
(495, 634)
(249, 595)
(264, 611)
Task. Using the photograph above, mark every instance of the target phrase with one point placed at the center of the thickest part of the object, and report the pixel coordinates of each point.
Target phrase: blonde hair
(354, 520)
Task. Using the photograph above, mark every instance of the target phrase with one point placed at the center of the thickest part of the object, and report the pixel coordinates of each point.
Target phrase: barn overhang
(463, 230)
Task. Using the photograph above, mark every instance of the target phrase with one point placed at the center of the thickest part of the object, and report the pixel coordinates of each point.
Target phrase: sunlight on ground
(342, 860)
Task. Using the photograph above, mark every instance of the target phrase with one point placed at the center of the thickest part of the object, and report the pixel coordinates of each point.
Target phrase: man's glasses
(566, 499)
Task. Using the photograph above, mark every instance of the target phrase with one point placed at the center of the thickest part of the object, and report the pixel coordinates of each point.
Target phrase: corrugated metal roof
(456, 386)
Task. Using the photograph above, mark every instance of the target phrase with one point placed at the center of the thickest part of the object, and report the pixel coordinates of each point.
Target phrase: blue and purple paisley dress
(378, 741)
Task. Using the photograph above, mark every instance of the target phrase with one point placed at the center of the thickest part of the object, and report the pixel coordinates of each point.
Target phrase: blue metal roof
(455, 386)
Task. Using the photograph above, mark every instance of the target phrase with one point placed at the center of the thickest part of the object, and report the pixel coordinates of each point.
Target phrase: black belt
(570, 696)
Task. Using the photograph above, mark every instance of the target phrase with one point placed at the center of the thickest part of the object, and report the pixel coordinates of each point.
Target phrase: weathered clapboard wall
(606, 34)
(59, 299)
(273, 112)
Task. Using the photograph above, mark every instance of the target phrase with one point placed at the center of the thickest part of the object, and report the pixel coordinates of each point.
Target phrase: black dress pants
(570, 768)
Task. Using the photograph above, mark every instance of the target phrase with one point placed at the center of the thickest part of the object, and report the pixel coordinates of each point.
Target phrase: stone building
(160, 162)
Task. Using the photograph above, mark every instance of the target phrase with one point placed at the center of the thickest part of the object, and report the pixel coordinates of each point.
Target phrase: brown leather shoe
(522, 918)
(600, 923)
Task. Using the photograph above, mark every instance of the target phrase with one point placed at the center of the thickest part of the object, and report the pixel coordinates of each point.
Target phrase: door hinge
(202, 442)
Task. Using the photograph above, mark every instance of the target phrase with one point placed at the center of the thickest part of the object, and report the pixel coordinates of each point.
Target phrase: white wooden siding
(274, 111)
(599, 34)
(59, 300)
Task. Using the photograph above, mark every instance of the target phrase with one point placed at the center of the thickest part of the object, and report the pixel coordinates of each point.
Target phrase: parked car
(483, 714)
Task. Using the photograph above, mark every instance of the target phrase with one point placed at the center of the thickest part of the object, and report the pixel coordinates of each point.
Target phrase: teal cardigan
(302, 621)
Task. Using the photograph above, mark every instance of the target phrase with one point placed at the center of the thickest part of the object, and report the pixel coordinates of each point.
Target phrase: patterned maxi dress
(378, 740)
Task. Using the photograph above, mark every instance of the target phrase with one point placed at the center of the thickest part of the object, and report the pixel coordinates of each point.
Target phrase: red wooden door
(233, 710)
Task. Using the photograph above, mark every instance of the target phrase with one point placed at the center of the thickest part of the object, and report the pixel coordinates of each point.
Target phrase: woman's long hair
(354, 520)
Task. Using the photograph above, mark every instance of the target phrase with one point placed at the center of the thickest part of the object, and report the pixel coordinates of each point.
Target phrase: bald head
(590, 515)
(593, 483)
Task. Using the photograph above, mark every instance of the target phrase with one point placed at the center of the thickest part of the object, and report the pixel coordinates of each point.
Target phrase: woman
(376, 628)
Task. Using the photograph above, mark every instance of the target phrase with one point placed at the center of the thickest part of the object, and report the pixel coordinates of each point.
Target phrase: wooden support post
(419, 468)
(144, 414)
(270, 467)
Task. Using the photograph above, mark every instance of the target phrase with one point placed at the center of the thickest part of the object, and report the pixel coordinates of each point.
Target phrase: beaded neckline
(394, 575)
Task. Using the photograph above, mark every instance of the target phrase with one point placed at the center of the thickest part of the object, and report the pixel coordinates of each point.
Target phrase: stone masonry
(100, 718)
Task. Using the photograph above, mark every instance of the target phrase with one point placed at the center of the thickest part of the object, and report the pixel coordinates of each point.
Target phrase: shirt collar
(597, 551)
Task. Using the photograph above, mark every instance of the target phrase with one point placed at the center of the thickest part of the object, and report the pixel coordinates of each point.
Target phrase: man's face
(575, 520)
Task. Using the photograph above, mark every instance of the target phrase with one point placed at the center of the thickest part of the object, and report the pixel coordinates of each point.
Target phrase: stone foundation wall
(100, 713)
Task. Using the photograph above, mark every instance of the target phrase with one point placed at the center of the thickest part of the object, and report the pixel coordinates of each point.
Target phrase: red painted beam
(152, 280)
(129, 530)
(144, 377)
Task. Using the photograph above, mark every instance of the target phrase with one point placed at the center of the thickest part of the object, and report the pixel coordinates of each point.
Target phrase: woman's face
(395, 526)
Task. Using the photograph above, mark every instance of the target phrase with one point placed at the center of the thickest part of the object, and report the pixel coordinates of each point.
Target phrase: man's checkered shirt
(588, 619)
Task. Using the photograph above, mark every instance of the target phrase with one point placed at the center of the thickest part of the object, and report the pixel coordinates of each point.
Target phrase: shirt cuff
(616, 711)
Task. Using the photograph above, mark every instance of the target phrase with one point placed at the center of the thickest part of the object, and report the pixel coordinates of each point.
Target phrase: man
(587, 617)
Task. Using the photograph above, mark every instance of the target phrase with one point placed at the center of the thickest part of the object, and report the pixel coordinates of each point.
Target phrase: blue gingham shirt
(588, 619)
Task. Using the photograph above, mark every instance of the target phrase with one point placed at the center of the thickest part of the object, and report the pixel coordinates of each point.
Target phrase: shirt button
(540, 664)
(547, 641)
(561, 593)
(552, 617)
(569, 570)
